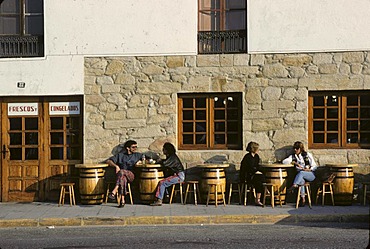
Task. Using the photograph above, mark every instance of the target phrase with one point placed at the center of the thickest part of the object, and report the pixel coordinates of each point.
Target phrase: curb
(185, 220)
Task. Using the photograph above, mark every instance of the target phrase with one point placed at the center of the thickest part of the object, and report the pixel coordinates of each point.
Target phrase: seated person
(172, 163)
(305, 166)
(250, 171)
(124, 163)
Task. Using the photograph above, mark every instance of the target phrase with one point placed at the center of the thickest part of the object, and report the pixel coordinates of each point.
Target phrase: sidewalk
(49, 214)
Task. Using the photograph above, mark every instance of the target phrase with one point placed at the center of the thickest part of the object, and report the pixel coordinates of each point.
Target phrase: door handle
(4, 151)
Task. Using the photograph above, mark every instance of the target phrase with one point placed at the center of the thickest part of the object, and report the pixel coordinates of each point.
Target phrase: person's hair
(128, 144)
(252, 147)
(299, 145)
(170, 148)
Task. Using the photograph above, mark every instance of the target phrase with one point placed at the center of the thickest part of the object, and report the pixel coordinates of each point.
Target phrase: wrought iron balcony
(21, 46)
(222, 42)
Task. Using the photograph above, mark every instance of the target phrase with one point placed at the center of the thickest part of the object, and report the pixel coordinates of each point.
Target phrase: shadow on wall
(283, 152)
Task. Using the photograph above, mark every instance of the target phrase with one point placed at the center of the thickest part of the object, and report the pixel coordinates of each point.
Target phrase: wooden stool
(195, 190)
(245, 189)
(174, 191)
(269, 191)
(129, 193)
(109, 184)
(364, 187)
(322, 189)
(70, 191)
(231, 191)
(217, 186)
(307, 193)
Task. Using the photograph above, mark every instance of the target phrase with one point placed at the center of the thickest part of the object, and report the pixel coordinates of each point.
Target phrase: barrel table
(212, 173)
(343, 183)
(277, 174)
(91, 183)
(149, 177)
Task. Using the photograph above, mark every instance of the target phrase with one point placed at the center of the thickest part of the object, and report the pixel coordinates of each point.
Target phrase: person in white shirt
(305, 166)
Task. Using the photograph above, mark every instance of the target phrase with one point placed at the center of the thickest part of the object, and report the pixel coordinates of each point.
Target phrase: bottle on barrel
(143, 159)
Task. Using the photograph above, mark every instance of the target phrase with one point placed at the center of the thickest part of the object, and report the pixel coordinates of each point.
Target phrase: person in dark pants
(175, 169)
(124, 163)
(250, 171)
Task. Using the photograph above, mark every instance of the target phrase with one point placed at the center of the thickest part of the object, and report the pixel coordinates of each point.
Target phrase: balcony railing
(21, 46)
(219, 42)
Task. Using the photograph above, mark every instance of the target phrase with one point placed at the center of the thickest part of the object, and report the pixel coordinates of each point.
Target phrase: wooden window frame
(343, 129)
(211, 122)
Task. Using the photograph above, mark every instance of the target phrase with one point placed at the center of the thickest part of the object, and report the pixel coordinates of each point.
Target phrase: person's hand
(117, 169)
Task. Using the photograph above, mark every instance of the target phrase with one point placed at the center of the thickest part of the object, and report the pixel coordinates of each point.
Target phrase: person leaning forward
(177, 175)
(124, 163)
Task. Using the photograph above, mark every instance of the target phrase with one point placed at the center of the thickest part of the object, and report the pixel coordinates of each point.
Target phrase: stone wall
(136, 98)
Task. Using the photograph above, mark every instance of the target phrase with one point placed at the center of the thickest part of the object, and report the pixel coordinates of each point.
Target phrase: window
(339, 119)
(222, 26)
(210, 121)
(21, 28)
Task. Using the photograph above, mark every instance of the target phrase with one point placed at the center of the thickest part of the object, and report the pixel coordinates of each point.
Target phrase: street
(195, 236)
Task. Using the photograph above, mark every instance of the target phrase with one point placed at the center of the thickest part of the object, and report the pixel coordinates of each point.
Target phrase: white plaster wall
(121, 27)
(279, 26)
(54, 75)
(78, 28)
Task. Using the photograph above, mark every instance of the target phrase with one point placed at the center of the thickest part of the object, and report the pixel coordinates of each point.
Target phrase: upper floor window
(21, 28)
(210, 121)
(339, 119)
(222, 26)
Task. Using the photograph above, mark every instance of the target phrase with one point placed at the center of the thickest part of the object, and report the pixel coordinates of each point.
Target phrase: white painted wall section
(280, 26)
(56, 75)
(121, 27)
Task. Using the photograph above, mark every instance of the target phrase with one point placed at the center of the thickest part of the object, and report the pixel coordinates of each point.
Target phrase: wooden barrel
(277, 174)
(148, 182)
(343, 183)
(92, 186)
(212, 176)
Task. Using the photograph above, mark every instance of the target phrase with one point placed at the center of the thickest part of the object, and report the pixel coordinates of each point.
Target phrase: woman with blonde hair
(250, 171)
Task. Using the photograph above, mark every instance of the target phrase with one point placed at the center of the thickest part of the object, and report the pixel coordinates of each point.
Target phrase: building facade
(208, 76)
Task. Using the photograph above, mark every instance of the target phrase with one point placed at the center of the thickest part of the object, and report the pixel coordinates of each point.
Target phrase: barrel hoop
(221, 177)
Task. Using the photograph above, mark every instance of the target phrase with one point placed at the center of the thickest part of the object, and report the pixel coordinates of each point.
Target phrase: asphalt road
(189, 236)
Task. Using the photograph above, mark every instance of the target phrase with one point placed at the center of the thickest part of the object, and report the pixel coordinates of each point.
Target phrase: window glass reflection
(15, 153)
(32, 153)
(15, 138)
(56, 153)
(220, 139)
(31, 138)
(56, 138)
(15, 124)
(31, 124)
(56, 123)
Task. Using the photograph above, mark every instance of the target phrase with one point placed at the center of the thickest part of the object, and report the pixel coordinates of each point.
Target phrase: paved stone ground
(49, 214)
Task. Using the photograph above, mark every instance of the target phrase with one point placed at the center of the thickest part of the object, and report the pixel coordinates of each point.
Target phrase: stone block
(275, 71)
(353, 57)
(241, 59)
(257, 59)
(328, 68)
(267, 124)
(253, 96)
(114, 67)
(297, 60)
(175, 61)
(208, 60)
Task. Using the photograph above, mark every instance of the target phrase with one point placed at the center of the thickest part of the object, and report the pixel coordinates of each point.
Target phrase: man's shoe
(157, 203)
(112, 196)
